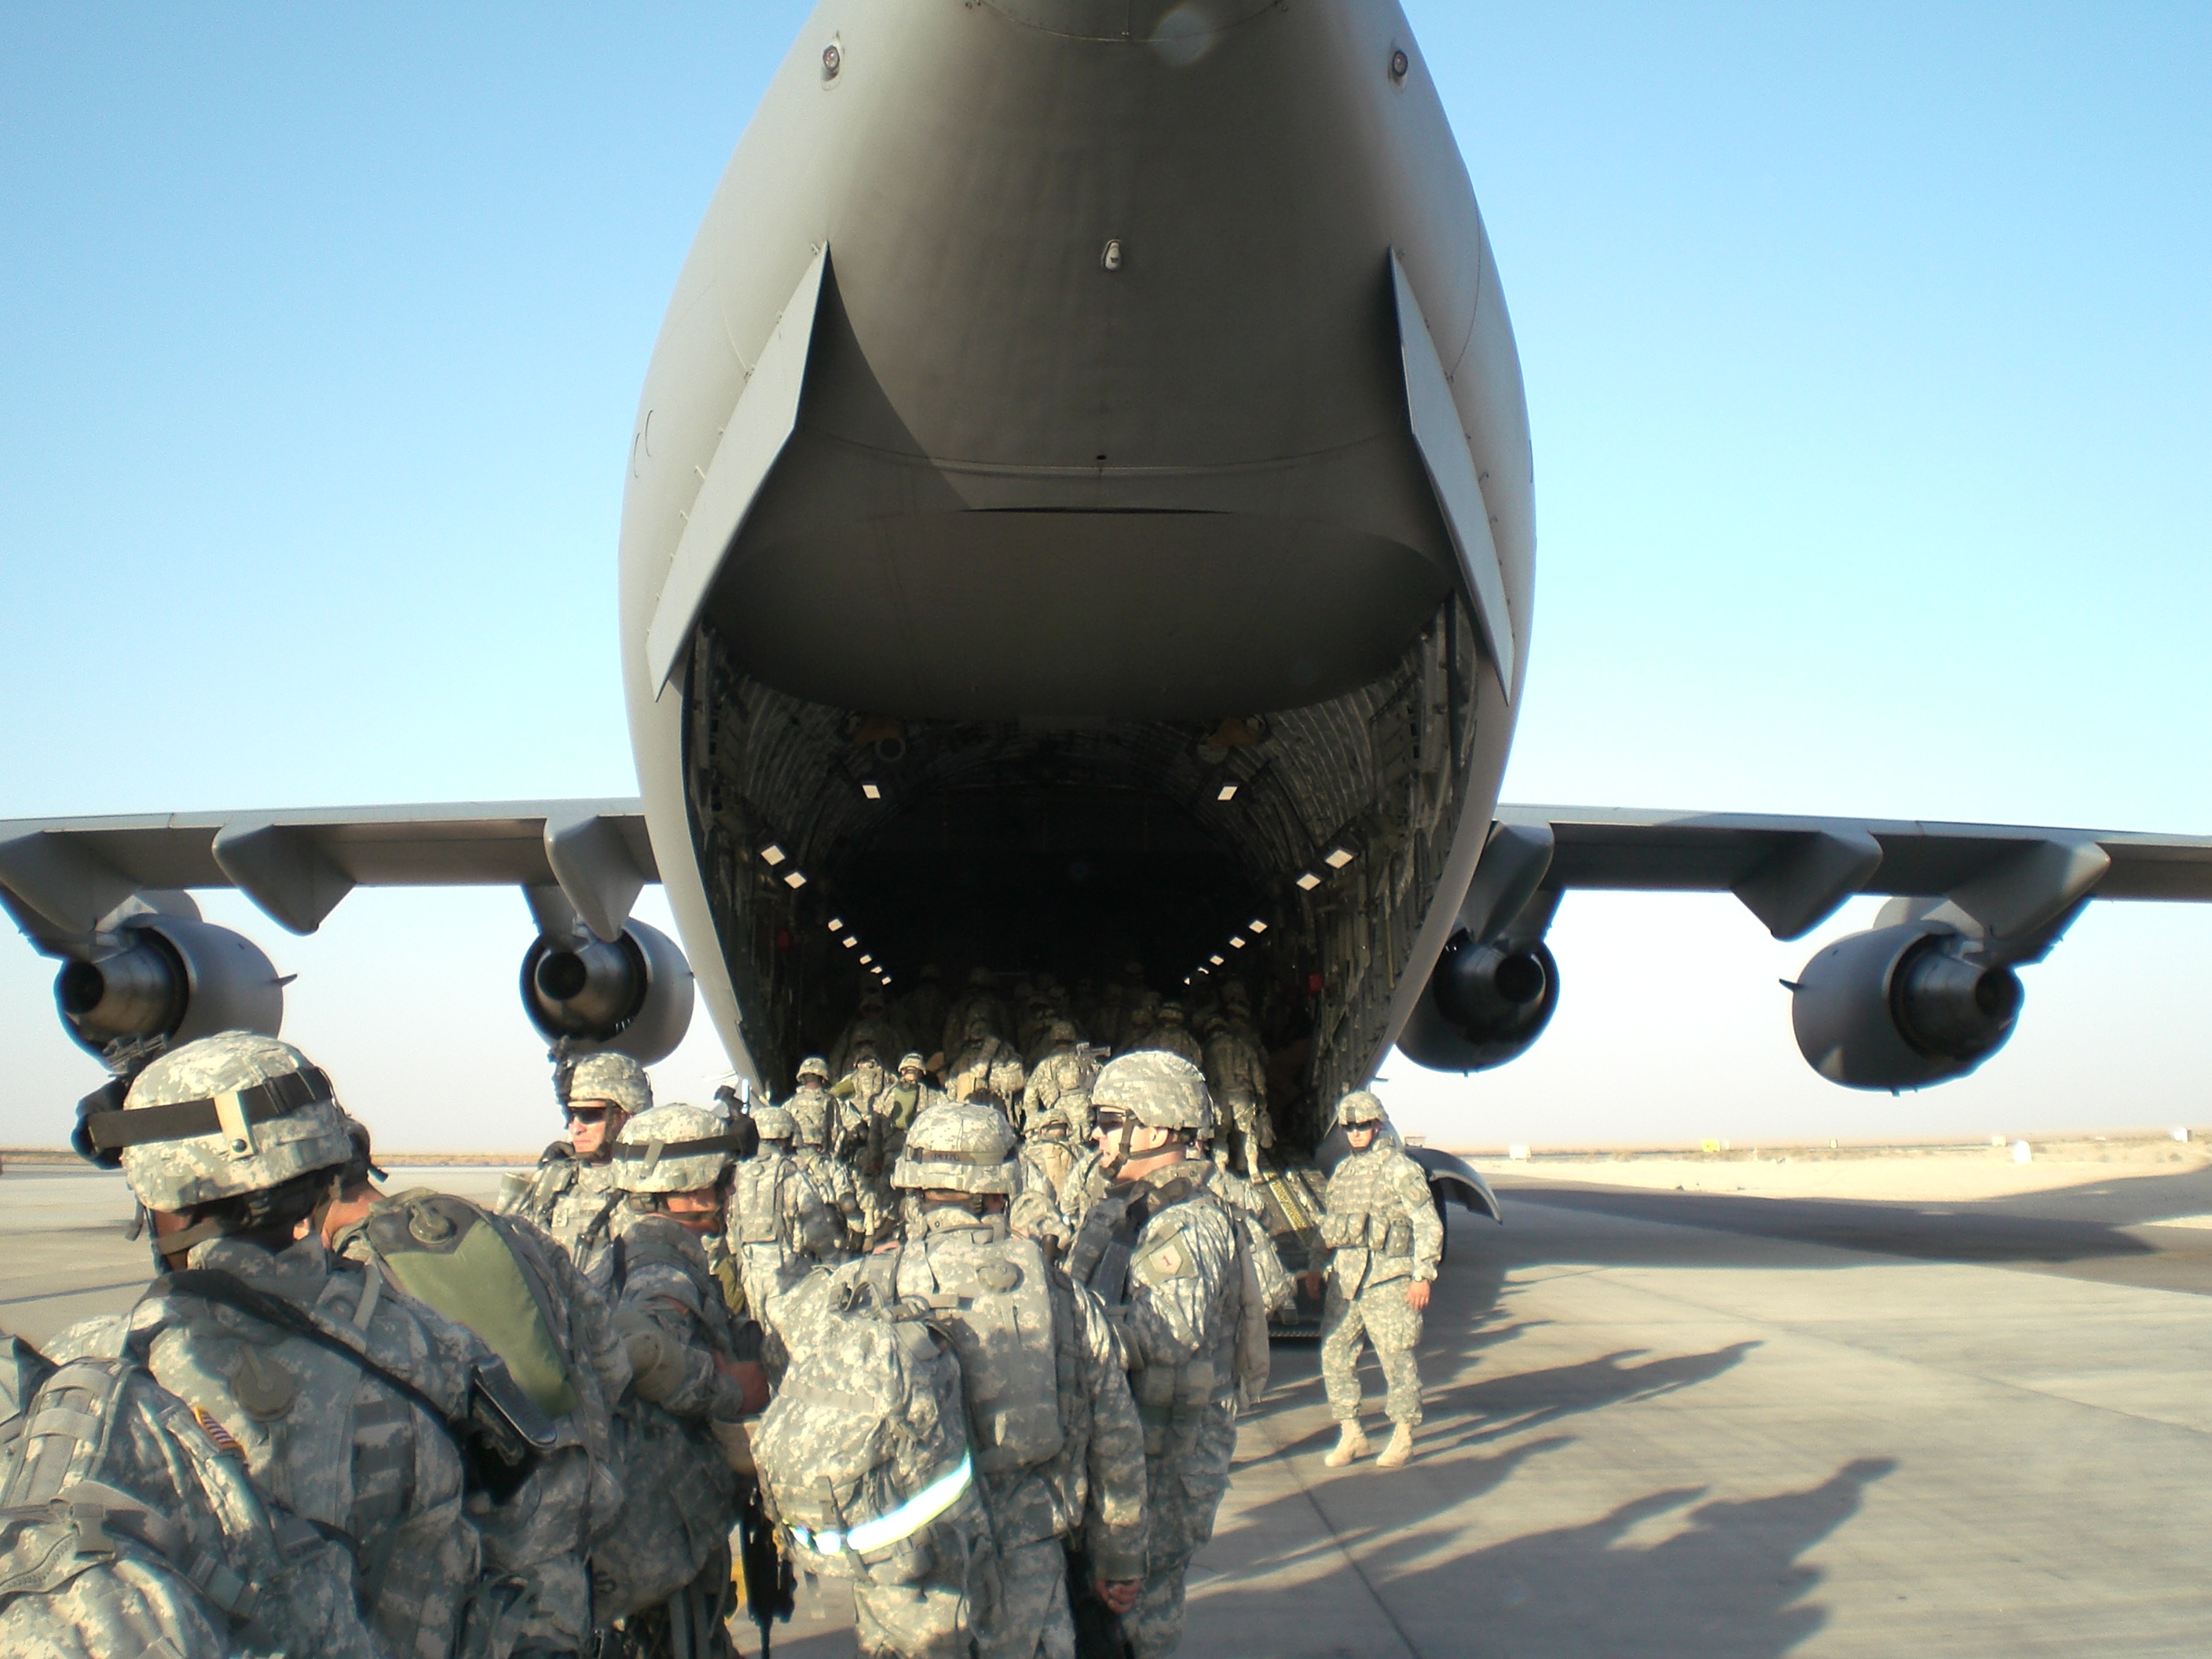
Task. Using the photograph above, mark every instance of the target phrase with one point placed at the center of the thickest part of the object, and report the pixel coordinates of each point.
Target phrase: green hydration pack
(864, 1453)
(110, 1467)
(445, 1251)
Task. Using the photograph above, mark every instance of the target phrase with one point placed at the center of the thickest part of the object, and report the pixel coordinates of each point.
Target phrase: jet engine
(632, 996)
(1901, 1007)
(172, 979)
(1484, 1003)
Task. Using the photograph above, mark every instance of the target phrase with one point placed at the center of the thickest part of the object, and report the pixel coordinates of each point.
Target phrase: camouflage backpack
(864, 1453)
(23, 1369)
(113, 1472)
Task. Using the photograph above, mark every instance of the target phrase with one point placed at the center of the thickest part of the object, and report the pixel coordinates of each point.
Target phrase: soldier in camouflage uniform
(987, 1064)
(1058, 1444)
(1170, 1035)
(1237, 1075)
(348, 1406)
(778, 1225)
(908, 1098)
(557, 1336)
(127, 1528)
(1163, 1253)
(572, 1195)
(666, 1571)
(865, 1086)
(982, 997)
(872, 1027)
(825, 1124)
(1065, 1068)
(1380, 1243)
(1139, 1018)
(921, 1011)
(1048, 1152)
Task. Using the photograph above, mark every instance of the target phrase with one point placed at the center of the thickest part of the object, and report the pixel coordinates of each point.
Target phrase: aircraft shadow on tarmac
(2093, 1231)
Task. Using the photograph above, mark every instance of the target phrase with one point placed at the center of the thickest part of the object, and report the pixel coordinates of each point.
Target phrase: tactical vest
(757, 1205)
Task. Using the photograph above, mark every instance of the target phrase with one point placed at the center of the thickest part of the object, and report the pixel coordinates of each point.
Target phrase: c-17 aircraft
(1081, 507)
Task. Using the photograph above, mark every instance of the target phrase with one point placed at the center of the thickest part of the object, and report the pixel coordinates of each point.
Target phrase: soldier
(520, 1293)
(1170, 1035)
(864, 1088)
(832, 1177)
(1164, 1254)
(873, 1026)
(125, 1529)
(1238, 1076)
(987, 1064)
(907, 1100)
(573, 1193)
(1048, 1152)
(666, 1573)
(1067, 1068)
(1059, 1445)
(823, 1119)
(1139, 1016)
(351, 1407)
(781, 1227)
(1380, 1242)
(982, 997)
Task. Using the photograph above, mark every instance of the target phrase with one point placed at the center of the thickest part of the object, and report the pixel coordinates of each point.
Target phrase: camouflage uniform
(1380, 1235)
(665, 1570)
(1066, 1070)
(1058, 1446)
(1238, 1078)
(873, 1029)
(922, 1011)
(778, 1224)
(323, 1422)
(127, 1529)
(570, 1198)
(1048, 1152)
(543, 1536)
(987, 1064)
(1169, 1035)
(865, 1086)
(981, 998)
(1161, 1252)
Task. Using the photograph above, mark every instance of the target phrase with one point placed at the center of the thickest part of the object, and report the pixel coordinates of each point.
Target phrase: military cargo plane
(1081, 507)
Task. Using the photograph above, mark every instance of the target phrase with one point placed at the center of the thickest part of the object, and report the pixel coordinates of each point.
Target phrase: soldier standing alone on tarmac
(1380, 1242)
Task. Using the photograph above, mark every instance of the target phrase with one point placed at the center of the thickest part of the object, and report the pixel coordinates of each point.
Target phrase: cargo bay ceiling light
(1228, 793)
(850, 942)
(1307, 881)
(872, 791)
(772, 855)
(1338, 857)
(865, 957)
(1255, 925)
(794, 879)
(1237, 942)
(836, 924)
(1216, 961)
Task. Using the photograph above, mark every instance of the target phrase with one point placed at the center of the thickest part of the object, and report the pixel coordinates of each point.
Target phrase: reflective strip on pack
(907, 1519)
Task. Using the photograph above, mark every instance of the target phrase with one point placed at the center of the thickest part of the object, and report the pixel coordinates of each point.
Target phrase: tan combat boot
(1351, 1442)
(1399, 1449)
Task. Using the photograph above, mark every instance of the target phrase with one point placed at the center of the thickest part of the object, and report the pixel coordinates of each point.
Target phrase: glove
(736, 1444)
(656, 1363)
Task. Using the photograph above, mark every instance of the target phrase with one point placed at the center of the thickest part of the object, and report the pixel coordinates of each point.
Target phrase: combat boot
(1399, 1449)
(1351, 1442)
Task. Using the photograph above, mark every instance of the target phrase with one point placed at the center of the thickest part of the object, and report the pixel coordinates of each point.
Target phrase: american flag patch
(224, 1442)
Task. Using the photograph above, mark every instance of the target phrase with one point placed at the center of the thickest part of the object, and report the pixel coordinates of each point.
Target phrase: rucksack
(997, 1313)
(110, 1465)
(23, 1369)
(864, 1453)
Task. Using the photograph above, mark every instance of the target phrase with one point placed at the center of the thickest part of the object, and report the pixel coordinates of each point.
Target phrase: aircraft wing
(1793, 872)
(59, 877)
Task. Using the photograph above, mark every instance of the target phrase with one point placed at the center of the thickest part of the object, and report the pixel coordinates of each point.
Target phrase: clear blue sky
(1869, 365)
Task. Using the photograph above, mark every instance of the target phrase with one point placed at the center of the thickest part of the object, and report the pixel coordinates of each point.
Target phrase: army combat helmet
(1359, 1107)
(959, 1148)
(1156, 1088)
(616, 1078)
(774, 1123)
(228, 1116)
(674, 1149)
(813, 1065)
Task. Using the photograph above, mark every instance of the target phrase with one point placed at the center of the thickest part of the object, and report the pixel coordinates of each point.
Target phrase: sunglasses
(1109, 1122)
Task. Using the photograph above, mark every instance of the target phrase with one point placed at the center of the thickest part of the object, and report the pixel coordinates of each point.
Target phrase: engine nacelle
(1901, 1007)
(1483, 1006)
(174, 978)
(632, 997)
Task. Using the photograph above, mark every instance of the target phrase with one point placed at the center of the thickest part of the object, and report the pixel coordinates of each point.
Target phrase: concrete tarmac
(1669, 1423)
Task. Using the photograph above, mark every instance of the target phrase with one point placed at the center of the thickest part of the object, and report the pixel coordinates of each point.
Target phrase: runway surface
(1671, 1424)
